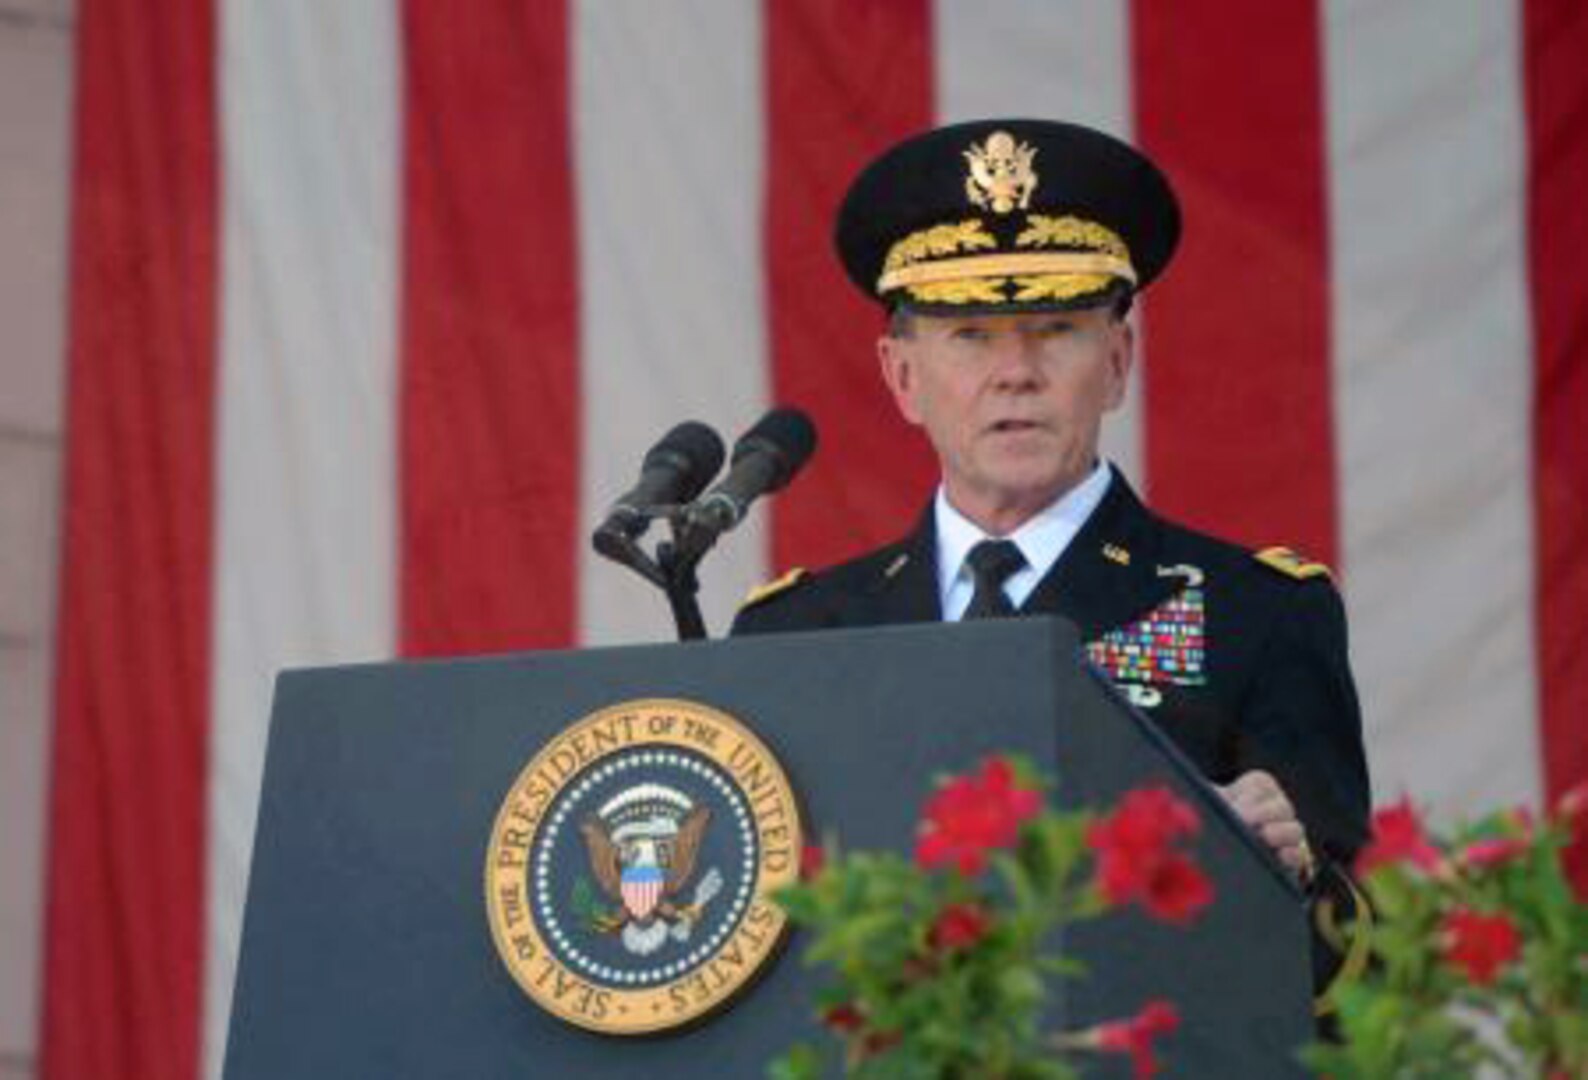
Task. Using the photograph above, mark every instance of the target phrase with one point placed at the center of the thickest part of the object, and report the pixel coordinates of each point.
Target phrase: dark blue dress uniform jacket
(1275, 690)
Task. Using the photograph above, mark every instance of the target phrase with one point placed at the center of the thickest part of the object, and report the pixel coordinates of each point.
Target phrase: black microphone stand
(672, 569)
(682, 587)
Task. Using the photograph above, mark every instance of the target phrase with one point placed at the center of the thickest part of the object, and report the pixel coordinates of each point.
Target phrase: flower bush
(941, 962)
(1479, 951)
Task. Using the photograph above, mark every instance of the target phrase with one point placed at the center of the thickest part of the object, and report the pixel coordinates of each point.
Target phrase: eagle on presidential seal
(643, 845)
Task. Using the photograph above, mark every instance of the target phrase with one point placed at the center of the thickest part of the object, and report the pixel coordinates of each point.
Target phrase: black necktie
(991, 562)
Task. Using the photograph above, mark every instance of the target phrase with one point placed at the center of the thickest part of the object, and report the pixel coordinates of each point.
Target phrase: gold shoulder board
(1289, 563)
(772, 588)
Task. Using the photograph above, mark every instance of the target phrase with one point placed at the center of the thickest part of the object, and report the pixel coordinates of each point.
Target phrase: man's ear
(897, 364)
(1121, 358)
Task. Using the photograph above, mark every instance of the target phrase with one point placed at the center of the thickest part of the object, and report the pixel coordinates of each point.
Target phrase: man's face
(1012, 403)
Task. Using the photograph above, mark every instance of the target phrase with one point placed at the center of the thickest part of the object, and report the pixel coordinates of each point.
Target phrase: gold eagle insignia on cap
(1001, 177)
(770, 589)
(1291, 564)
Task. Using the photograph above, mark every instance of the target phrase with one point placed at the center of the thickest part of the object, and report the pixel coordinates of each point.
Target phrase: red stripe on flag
(490, 382)
(845, 79)
(1239, 432)
(125, 916)
(1557, 123)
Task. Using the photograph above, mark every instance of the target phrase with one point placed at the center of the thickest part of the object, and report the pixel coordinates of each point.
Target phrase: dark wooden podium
(366, 950)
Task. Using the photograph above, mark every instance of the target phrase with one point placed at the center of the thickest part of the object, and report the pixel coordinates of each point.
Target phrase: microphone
(765, 459)
(673, 471)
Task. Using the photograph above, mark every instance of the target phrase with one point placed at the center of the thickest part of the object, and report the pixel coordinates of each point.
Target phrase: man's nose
(1016, 360)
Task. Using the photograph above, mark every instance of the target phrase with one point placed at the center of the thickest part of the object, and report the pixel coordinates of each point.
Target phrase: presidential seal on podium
(629, 871)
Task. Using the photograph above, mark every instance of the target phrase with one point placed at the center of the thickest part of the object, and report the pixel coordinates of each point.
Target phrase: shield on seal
(642, 888)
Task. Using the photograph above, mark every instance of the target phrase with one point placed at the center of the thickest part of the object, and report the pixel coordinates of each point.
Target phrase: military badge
(1000, 174)
(628, 874)
(1165, 647)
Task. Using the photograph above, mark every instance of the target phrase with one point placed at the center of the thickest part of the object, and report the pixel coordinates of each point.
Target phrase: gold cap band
(1010, 264)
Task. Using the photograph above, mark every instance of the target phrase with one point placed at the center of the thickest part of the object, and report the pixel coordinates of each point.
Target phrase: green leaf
(1021, 987)
(799, 1063)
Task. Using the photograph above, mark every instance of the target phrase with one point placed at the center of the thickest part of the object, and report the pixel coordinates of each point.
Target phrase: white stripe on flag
(668, 130)
(308, 385)
(1068, 59)
(1432, 383)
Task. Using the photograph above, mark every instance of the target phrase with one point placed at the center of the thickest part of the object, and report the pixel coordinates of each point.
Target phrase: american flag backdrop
(376, 303)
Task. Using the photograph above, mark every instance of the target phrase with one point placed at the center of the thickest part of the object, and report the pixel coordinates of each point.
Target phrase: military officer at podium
(1006, 255)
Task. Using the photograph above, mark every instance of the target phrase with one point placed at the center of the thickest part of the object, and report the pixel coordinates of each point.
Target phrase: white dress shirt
(1042, 539)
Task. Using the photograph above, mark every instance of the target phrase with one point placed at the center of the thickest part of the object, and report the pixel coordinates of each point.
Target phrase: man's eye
(968, 333)
(1055, 328)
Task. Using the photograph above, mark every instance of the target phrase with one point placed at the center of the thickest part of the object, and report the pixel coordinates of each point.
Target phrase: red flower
(1494, 851)
(812, 858)
(844, 1018)
(1136, 862)
(1398, 837)
(959, 926)
(1176, 890)
(971, 815)
(1479, 944)
(1135, 1036)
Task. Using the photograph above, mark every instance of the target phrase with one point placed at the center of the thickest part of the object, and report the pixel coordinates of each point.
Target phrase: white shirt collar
(1041, 539)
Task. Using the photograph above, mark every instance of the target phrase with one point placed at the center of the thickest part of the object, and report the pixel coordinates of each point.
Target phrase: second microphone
(764, 460)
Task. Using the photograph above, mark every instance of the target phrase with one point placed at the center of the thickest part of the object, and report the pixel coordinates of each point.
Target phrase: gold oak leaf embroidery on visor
(1046, 231)
(940, 240)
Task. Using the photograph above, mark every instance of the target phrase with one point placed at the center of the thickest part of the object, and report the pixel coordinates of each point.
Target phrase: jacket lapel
(1108, 576)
